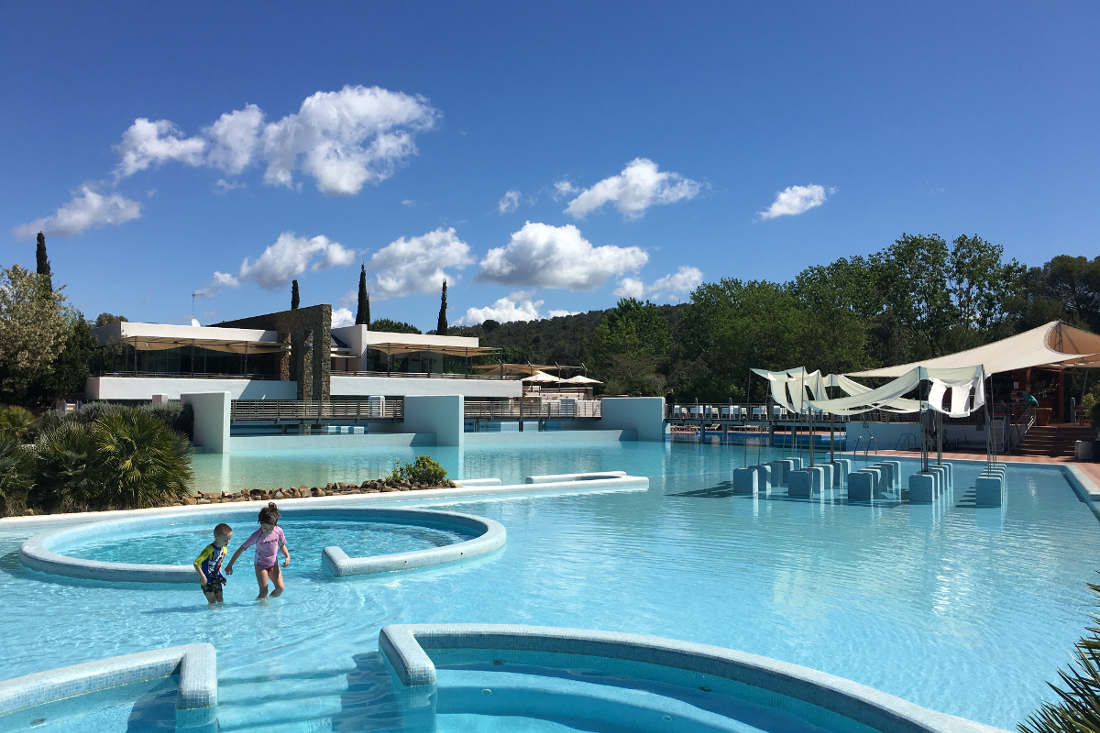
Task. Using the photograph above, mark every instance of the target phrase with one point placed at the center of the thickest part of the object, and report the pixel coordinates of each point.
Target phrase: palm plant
(14, 478)
(66, 469)
(1078, 710)
(15, 421)
(143, 462)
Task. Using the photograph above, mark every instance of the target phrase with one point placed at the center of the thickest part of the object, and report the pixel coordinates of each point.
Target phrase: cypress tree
(362, 313)
(441, 324)
(294, 300)
(43, 261)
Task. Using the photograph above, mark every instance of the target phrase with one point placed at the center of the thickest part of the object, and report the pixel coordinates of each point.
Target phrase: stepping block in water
(843, 468)
(805, 481)
(763, 477)
(744, 481)
(989, 490)
(922, 488)
(861, 485)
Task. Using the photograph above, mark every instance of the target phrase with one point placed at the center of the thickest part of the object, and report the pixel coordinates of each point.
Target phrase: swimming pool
(963, 610)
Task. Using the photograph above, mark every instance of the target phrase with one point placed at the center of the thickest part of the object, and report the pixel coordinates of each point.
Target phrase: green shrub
(143, 463)
(14, 478)
(66, 469)
(1079, 706)
(15, 422)
(425, 471)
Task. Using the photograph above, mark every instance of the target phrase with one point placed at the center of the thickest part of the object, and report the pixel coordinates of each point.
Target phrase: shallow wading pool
(959, 609)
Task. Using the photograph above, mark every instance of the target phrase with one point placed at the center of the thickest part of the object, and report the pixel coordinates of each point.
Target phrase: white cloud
(794, 200)
(509, 202)
(224, 186)
(346, 139)
(513, 307)
(630, 287)
(342, 317)
(639, 186)
(557, 257)
(289, 257)
(670, 288)
(234, 139)
(408, 202)
(146, 143)
(564, 188)
(418, 264)
(86, 209)
(220, 281)
(557, 313)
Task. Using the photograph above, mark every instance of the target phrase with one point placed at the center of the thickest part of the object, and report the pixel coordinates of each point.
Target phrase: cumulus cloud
(563, 189)
(147, 143)
(290, 256)
(557, 257)
(411, 265)
(346, 139)
(670, 288)
(513, 307)
(342, 317)
(794, 200)
(639, 186)
(557, 313)
(509, 202)
(219, 282)
(85, 210)
(234, 138)
(224, 186)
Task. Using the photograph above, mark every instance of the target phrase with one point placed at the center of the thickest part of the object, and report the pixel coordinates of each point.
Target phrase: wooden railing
(276, 411)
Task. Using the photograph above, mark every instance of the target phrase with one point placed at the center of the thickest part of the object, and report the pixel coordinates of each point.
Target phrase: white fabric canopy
(541, 378)
(788, 387)
(1051, 343)
(966, 385)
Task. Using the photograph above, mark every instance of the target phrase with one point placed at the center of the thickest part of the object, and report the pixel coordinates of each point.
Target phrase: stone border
(491, 536)
(404, 646)
(196, 665)
(35, 552)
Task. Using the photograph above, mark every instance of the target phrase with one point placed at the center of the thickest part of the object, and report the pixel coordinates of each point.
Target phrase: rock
(388, 487)
(371, 490)
(187, 499)
(203, 501)
(366, 484)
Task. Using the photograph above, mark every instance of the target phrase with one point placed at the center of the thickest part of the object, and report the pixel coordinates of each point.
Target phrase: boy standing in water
(209, 563)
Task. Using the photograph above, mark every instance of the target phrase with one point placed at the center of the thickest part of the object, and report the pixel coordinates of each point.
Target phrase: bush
(14, 478)
(15, 422)
(425, 471)
(126, 458)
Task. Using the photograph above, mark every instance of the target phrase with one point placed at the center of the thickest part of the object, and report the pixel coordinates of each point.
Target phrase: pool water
(965, 610)
(178, 541)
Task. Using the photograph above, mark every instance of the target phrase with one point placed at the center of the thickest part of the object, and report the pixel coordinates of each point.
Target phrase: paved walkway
(1091, 469)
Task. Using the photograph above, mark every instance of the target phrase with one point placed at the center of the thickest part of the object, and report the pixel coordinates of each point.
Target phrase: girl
(269, 540)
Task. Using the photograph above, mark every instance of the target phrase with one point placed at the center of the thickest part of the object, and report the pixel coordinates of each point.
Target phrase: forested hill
(562, 340)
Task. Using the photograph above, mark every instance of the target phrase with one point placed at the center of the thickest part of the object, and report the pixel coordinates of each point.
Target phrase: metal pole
(939, 438)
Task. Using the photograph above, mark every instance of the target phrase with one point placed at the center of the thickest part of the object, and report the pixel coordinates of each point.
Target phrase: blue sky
(648, 146)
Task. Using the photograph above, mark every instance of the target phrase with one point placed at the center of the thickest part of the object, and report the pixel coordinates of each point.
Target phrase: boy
(209, 564)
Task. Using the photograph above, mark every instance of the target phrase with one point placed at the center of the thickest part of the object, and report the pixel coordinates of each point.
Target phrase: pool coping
(196, 665)
(403, 646)
(473, 492)
(37, 553)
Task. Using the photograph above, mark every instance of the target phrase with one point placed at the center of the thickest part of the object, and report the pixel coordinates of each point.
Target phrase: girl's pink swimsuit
(267, 546)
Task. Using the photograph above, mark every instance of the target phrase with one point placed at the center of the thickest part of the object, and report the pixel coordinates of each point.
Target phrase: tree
(106, 319)
(385, 324)
(362, 313)
(32, 330)
(294, 299)
(80, 352)
(630, 348)
(43, 261)
(441, 324)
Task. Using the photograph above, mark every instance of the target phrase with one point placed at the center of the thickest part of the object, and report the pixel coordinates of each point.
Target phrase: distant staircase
(1053, 440)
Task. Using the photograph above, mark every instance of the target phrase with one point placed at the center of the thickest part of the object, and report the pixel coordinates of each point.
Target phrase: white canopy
(541, 378)
(581, 379)
(1052, 343)
(966, 386)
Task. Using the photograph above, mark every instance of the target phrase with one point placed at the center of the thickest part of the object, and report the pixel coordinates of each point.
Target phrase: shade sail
(966, 386)
(542, 378)
(1054, 343)
(162, 343)
(581, 379)
(397, 348)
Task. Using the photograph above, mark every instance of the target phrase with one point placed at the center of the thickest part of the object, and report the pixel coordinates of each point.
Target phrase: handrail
(534, 409)
(389, 408)
(418, 375)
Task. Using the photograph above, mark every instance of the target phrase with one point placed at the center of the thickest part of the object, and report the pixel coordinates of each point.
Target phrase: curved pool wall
(195, 665)
(405, 648)
(44, 552)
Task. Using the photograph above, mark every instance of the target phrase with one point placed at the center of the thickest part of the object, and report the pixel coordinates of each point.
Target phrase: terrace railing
(418, 375)
(297, 411)
(532, 409)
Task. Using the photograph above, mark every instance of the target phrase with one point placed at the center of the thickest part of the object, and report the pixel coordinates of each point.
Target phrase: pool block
(895, 473)
(922, 488)
(940, 472)
(877, 483)
(861, 484)
(793, 464)
(989, 490)
(888, 475)
(779, 472)
(801, 484)
(828, 472)
(796, 461)
(763, 478)
(843, 468)
(744, 481)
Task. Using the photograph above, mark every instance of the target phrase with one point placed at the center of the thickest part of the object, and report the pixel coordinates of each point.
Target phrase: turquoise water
(968, 611)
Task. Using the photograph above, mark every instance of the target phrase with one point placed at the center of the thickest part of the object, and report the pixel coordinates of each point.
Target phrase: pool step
(968, 500)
